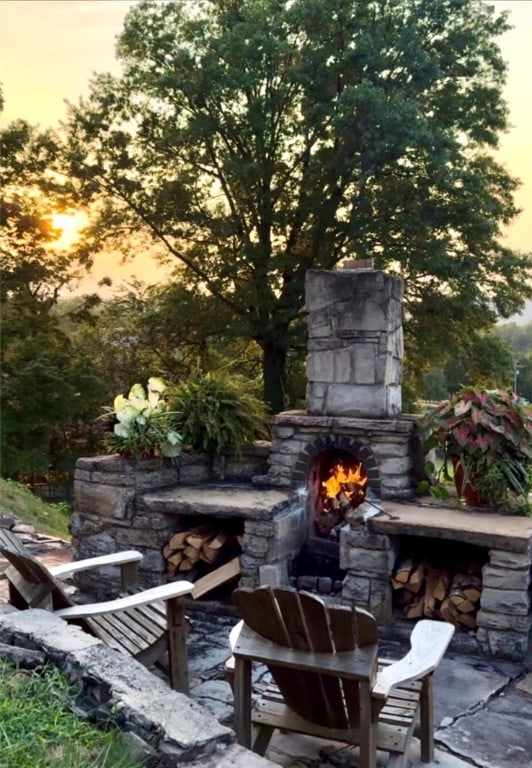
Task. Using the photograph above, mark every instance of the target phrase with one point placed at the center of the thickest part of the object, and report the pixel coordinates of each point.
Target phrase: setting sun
(69, 226)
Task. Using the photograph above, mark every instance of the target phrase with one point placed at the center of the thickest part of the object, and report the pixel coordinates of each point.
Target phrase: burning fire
(345, 486)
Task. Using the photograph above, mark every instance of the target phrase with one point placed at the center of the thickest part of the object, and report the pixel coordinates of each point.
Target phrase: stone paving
(483, 707)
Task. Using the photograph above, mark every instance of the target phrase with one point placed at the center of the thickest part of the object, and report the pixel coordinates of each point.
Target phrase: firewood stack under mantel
(424, 591)
(206, 555)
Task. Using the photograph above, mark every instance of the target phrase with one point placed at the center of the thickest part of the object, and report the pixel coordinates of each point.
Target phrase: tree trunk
(274, 372)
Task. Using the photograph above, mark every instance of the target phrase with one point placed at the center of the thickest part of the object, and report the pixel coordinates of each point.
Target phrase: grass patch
(37, 728)
(52, 518)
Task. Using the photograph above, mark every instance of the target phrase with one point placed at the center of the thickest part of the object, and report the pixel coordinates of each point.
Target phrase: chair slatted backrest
(302, 621)
(31, 583)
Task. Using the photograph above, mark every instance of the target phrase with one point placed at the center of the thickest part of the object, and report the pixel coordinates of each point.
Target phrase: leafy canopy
(255, 139)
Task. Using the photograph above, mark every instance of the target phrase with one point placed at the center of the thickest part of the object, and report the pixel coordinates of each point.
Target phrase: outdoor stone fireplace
(354, 370)
(353, 430)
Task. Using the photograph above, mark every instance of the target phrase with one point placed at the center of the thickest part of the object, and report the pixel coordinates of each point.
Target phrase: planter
(466, 491)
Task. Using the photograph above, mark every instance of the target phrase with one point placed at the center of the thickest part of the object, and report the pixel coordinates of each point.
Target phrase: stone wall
(505, 616)
(120, 506)
(113, 511)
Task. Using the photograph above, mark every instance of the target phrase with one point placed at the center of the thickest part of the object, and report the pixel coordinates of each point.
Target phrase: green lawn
(16, 499)
(37, 727)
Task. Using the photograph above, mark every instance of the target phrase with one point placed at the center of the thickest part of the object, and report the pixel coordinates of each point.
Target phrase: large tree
(254, 139)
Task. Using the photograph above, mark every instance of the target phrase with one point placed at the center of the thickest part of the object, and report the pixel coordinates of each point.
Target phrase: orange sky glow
(49, 50)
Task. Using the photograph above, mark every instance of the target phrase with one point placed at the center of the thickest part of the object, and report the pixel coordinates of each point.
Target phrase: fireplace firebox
(336, 487)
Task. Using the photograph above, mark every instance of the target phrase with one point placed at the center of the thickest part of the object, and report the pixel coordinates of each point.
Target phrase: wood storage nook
(424, 591)
(206, 554)
(429, 584)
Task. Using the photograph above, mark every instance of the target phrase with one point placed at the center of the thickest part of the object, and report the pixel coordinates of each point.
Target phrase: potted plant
(486, 435)
(144, 424)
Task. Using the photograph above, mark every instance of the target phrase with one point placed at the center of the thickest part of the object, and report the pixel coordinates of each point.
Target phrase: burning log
(342, 491)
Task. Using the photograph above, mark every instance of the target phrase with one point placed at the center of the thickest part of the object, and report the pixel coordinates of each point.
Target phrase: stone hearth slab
(485, 529)
(220, 500)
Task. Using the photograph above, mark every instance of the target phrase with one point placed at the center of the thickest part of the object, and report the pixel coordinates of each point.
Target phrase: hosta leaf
(137, 392)
(121, 430)
(174, 438)
(156, 385)
(127, 414)
(119, 403)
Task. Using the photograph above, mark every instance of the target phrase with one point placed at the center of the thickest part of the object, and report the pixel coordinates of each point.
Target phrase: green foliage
(49, 392)
(483, 359)
(48, 389)
(255, 140)
(38, 728)
(218, 414)
(17, 500)
(520, 339)
(144, 422)
(488, 434)
(168, 329)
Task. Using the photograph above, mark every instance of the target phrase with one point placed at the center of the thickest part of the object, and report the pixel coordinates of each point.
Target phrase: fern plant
(218, 414)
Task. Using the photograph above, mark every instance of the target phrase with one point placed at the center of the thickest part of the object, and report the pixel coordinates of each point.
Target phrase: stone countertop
(223, 500)
(486, 529)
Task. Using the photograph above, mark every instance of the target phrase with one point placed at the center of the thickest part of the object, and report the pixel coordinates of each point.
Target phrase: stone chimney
(355, 343)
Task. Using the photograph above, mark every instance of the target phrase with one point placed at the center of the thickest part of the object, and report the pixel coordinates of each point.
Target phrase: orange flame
(340, 475)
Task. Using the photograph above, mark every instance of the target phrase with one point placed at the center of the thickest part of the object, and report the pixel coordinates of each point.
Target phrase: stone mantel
(511, 533)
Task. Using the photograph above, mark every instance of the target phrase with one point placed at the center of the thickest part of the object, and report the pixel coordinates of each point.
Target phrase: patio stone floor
(483, 706)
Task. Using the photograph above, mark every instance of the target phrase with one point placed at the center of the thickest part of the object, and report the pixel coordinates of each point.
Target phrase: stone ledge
(220, 500)
(510, 533)
(166, 722)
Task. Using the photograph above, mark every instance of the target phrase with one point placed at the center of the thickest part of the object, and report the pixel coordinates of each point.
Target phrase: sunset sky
(50, 48)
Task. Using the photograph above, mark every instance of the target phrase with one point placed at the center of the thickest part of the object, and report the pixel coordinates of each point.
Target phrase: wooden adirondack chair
(146, 624)
(328, 681)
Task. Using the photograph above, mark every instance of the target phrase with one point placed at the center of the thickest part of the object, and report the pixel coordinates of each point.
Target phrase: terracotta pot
(466, 491)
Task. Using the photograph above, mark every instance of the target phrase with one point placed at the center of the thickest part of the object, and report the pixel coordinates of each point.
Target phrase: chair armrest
(152, 595)
(429, 641)
(117, 558)
(234, 634)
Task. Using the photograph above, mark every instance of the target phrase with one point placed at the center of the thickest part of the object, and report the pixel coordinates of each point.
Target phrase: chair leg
(177, 644)
(426, 713)
(242, 692)
(262, 739)
(230, 672)
(368, 728)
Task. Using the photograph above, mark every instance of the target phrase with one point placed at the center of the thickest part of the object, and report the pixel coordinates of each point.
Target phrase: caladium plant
(144, 423)
(486, 433)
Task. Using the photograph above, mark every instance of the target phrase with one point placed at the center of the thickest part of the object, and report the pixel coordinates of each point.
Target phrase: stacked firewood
(438, 593)
(203, 544)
